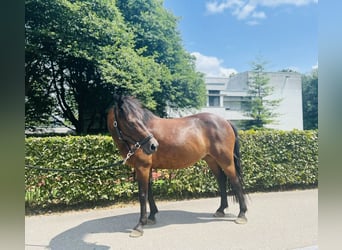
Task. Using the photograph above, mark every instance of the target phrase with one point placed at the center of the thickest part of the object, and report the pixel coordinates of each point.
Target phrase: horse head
(131, 123)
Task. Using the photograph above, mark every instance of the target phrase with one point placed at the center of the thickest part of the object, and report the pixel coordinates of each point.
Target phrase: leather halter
(128, 140)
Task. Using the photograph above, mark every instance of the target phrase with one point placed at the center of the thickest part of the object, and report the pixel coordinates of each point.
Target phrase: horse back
(184, 141)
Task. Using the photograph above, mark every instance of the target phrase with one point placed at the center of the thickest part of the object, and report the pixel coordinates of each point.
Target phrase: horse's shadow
(74, 237)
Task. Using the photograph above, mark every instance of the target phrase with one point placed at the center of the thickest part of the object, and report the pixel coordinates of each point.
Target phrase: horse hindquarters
(226, 159)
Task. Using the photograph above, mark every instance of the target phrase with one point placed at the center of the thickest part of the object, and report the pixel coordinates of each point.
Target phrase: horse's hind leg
(236, 185)
(222, 182)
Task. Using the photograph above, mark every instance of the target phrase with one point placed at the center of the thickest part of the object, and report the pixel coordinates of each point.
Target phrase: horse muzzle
(151, 146)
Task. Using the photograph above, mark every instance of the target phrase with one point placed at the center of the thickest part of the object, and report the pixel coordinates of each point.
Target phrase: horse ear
(117, 98)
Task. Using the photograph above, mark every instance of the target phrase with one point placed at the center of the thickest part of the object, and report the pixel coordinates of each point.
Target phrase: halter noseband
(127, 140)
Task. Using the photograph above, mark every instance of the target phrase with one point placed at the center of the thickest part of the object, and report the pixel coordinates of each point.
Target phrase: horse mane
(132, 106)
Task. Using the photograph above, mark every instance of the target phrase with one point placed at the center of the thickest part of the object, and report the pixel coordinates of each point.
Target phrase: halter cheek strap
(118, 132)
(136, 145)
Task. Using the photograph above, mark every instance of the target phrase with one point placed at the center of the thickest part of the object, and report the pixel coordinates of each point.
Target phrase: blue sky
(225, 36)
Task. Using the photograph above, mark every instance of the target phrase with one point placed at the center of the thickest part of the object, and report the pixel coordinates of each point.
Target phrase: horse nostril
(153, 147)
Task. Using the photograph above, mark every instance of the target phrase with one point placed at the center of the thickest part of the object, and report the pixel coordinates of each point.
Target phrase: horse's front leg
(142, 179)
(151, 218)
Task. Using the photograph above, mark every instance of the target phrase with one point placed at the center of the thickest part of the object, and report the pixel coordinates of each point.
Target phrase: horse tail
(237, 161)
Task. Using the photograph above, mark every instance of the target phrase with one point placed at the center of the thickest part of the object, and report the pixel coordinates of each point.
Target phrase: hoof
(219, 214)
(241, 220)
(136, 233)
(151, 222)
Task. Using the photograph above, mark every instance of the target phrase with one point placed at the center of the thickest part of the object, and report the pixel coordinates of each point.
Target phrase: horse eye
(131, 123)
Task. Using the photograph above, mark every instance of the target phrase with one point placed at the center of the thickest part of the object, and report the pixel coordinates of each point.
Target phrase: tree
(261, 107)
(156, 33)
(310, 100)
(78, 53)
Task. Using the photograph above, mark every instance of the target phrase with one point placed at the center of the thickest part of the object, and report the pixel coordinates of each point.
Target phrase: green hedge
(271, 160)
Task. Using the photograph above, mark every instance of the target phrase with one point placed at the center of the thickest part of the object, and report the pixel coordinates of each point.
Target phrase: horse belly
(178, 156)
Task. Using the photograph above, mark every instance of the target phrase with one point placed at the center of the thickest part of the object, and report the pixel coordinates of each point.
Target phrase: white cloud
(259, 15)
(314, 67)
(248, 9)
(215, 7)
(253, 22)
(211, 66)
(244, 12)
(274, 3)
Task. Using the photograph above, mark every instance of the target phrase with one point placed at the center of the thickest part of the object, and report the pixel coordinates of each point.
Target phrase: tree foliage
(310, 100)
(78, 53)
(156, 33)
(261, 107)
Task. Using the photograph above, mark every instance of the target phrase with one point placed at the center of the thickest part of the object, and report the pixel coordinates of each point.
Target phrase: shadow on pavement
(73, 238)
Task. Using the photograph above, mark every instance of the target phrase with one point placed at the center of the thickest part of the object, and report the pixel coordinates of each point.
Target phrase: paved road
(277, 220)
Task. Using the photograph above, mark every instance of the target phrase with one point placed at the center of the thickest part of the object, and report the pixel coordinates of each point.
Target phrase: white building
(227, 97)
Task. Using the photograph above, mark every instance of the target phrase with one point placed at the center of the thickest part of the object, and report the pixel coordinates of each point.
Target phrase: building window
(236, 103)
(214, 98)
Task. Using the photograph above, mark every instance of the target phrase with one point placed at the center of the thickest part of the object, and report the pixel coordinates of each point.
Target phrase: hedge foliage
(271, 160)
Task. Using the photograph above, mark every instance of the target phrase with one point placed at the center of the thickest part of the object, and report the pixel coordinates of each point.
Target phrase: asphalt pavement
(276, 220)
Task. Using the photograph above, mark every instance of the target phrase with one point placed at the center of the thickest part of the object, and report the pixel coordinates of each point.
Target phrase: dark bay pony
(147, 141)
